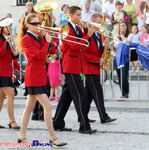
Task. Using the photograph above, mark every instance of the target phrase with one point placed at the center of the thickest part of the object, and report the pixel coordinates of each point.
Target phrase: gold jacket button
(44, 66)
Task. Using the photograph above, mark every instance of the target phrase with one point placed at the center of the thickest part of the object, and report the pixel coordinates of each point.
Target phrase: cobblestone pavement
(129, 132)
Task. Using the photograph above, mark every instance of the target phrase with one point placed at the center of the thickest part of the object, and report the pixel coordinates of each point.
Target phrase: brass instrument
(102, 30)
(46, 7)
(7, 23)
(108, 55)
(64, 33)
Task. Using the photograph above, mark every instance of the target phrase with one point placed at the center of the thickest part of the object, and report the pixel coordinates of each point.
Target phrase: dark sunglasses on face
(34, 23)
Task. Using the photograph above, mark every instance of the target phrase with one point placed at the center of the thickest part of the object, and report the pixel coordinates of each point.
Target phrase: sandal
(10, 126)
(58, 145)
(25, 143)
(20, 141)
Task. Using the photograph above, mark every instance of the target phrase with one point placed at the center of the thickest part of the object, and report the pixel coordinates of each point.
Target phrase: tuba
(6, 23)
(108, 55)
(46, 7)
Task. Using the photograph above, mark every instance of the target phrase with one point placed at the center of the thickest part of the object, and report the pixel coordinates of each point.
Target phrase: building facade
(17, 8)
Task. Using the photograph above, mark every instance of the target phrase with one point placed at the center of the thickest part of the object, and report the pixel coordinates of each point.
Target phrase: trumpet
(6, 23)
(102, 30)
(64, 34)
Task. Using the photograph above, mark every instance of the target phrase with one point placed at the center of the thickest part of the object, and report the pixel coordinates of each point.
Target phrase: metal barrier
(138, 84)
(18, 75)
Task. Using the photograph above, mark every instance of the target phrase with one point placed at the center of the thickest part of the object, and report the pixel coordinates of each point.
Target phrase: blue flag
(122, 56)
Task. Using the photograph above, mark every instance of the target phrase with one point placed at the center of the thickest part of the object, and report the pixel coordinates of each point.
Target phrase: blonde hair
(29, 4)
(146, 8)
(96, 15)
(22, 30)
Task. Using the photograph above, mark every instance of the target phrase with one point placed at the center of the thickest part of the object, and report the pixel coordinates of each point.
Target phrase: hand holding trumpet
(91, 30)
(48, 37)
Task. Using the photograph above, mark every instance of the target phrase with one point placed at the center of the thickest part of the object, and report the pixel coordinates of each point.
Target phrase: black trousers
(38, 112)
(73, 90)
(94, 91)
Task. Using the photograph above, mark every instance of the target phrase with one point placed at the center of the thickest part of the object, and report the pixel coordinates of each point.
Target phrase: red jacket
(6, 57)
(36, 51)
(71, 57)
(91, 58)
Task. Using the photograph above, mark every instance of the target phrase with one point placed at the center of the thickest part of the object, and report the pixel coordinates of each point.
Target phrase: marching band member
(35, 48)
(6, 84)
(73, 88)
(92, 59)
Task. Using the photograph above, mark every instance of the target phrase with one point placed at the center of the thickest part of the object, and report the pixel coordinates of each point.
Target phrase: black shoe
(58, 145)
(2, 127)
(91, 121)
(108, 120)
(62, 129)
(10, 126)
(20, 141)
(90, 131)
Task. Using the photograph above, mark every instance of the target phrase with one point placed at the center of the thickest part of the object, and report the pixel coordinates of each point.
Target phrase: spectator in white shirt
(108, 9)
(93, 6)
(15, 25)
(87, 13)
(146, 14)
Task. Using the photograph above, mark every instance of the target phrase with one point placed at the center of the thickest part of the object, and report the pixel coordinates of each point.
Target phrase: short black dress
(36, 90)
(6, 82)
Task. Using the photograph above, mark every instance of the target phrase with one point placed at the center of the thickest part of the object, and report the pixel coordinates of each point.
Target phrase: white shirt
(108, 8)
(87, 16)
(15, 28)
(74, 25)
(93, 6)
(36, 35)
(147, 16)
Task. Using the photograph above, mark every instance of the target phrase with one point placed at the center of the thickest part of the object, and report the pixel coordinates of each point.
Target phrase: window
(22, 2)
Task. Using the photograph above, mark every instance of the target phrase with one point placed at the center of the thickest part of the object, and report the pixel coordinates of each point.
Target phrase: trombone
(64, 33)
(102, 29)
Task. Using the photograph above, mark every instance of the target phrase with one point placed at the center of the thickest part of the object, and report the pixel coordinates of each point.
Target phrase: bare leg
(31, 100)
(2, 97)
(56, 90)
(43, 100)
(10, 104)
(133, 67)
(52, 91)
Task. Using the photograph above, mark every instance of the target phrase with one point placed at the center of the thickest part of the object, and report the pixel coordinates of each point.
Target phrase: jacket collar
(95, 39)
(80, 34)
(35, 38)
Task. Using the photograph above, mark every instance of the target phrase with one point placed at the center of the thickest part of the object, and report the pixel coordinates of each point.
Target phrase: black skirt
(133, 55)
(36, 90)
(6, 82)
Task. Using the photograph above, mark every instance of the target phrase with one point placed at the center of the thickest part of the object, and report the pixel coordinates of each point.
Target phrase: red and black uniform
(36, 49)
(91, 69)
(6, 69)
(73, 88)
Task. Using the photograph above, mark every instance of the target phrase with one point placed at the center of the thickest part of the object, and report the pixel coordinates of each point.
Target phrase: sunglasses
(34, 23)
